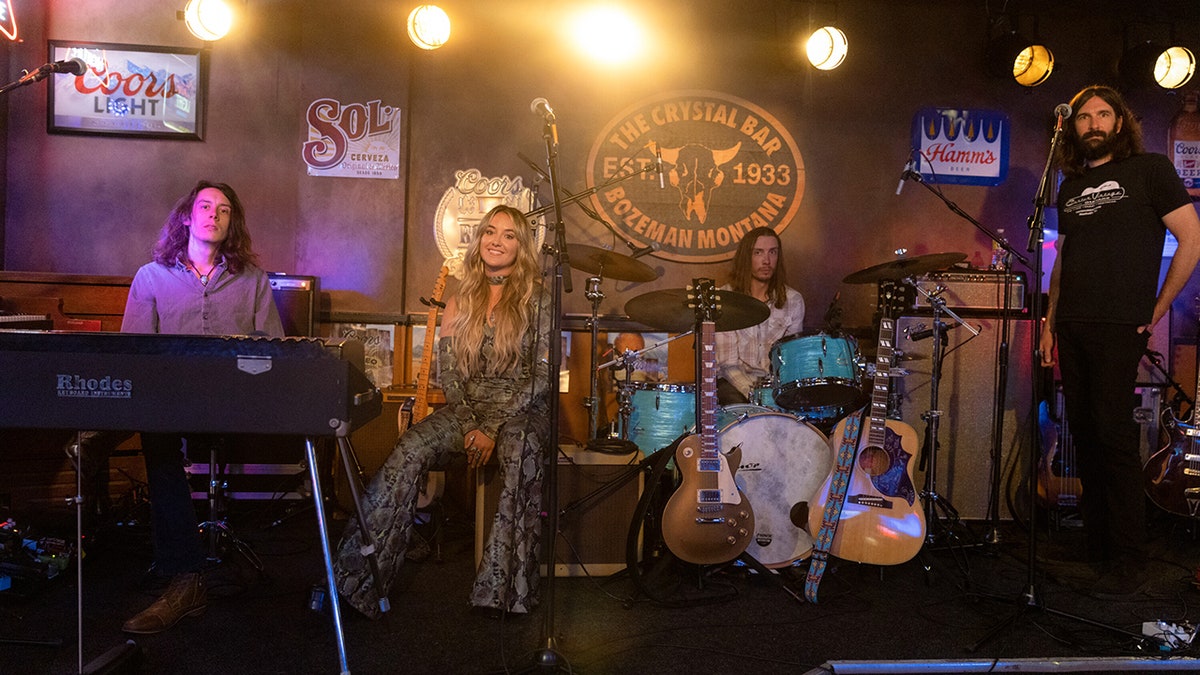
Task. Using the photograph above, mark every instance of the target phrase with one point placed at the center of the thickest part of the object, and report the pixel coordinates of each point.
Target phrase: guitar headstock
(894, 298)
(704, 298)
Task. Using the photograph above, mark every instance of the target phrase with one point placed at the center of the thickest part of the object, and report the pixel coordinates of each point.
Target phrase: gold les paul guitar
(708, 520)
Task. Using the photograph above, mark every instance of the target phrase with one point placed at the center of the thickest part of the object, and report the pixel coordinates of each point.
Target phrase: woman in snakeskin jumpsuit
(494, 370)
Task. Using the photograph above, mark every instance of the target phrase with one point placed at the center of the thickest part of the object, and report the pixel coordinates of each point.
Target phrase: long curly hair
(172, 243)
(513, 315)
(1070, 155)
(743, 267)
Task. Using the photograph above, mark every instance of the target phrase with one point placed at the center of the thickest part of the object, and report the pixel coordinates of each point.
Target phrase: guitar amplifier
(296, 299)
(970, 292)
(597, 496)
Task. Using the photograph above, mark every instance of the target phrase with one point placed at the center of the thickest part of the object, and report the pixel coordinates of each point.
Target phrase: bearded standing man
(1115, 205)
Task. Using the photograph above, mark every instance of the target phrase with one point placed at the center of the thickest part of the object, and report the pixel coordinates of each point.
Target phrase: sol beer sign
(727, 166)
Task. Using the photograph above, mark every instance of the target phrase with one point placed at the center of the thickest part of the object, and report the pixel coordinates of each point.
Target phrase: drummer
(743, 356)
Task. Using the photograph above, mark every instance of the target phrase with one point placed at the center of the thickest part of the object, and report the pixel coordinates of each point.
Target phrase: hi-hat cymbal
(905, 267)
(609, 264)
(669, 310)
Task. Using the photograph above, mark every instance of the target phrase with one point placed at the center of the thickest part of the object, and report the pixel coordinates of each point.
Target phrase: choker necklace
(497, 280)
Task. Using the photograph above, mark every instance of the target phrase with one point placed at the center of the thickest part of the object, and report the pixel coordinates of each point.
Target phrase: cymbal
(668, 310)
(904, 267)
(609, 264)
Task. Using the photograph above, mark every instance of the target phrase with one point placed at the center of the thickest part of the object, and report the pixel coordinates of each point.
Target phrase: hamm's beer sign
(965, 147)
(727, 166)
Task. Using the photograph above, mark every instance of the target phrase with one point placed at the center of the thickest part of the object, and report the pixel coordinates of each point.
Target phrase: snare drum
(661, 413)
(813, 370)
(784, 462)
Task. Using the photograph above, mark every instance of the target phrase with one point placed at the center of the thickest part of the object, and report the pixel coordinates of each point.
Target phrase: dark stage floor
(957, 616)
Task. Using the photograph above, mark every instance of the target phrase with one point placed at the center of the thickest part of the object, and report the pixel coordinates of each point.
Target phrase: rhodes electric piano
(194, 384)
(183, 383)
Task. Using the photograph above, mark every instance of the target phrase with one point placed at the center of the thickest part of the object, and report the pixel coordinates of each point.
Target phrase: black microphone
(1061, 111)
(918, 335)
(75, 66)
(541, 106)
(645, 250)
(658, 166)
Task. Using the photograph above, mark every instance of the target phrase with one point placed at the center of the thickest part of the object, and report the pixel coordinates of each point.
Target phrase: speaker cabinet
(296, 300)
(597, 496)
(966, 400)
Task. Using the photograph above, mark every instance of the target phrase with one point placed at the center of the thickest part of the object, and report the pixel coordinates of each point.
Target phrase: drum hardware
(626, 361)
(904, 268)
(609, 264)
(671, 310)
(938, 510)
(216, 528)
(599, 261)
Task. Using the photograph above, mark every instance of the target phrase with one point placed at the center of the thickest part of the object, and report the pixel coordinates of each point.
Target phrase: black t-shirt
(1111, 221)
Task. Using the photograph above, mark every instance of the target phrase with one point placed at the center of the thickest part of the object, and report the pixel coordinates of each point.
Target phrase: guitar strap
(833, 507)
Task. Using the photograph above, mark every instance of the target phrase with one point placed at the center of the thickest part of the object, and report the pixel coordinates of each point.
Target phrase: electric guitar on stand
(1172, 474)
(435, 481)
(708, 519)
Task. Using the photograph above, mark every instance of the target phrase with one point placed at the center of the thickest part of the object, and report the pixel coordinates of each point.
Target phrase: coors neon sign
(729, 166)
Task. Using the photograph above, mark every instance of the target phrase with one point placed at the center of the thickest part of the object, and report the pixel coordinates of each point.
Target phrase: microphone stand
(1030, 596)
(547, 658)
(1001, 385)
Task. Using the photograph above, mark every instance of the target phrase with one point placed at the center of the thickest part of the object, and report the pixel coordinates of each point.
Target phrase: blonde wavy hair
(513, 315)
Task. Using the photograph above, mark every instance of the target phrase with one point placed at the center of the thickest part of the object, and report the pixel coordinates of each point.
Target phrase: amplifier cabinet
(597, 496)
(296, 299)
(977, 291)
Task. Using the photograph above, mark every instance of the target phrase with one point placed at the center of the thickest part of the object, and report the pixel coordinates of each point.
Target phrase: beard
(1098, 144)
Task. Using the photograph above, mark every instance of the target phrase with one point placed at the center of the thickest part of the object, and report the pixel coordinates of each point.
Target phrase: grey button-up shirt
(172, 300)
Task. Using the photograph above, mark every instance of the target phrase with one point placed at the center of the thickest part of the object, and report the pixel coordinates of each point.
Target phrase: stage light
(208, 20)
(1152, 55)
(1174, 67)
(1010, 54)
(608, 35)
(428, 26)
(827, 48)
(1149, 62)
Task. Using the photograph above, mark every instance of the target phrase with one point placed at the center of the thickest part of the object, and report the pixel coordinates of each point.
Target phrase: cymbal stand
(626, 361)
(592, 403)
(937, 509)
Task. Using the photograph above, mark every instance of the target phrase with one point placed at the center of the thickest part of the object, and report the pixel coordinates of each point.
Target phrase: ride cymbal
(905, 267)
(672, 310)
(609, 264)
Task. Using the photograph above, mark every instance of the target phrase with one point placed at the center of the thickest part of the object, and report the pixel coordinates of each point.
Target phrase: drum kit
(816, 379)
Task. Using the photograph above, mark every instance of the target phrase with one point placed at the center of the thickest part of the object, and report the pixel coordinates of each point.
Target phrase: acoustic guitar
(708, 519)
(881, 522)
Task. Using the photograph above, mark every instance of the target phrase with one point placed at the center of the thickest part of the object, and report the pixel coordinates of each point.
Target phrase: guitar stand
(754, 564)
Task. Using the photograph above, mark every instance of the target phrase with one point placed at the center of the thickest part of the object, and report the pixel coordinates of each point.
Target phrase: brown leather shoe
(185, 596)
